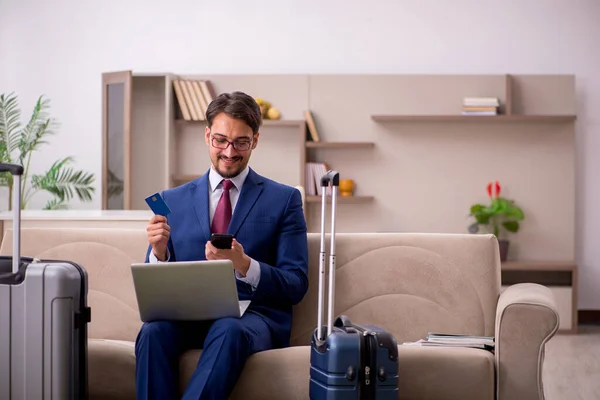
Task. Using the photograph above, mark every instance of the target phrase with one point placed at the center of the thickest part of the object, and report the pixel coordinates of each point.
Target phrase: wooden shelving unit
(147, 147)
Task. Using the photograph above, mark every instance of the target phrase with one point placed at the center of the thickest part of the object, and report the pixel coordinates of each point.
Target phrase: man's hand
(158, 236)
(241, 262)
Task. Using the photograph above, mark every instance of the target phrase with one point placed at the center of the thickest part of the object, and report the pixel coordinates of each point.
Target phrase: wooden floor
(572, 365)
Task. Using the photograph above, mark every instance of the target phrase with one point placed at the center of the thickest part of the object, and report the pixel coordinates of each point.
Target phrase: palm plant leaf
(9, 132)
(37, 128)
(55, 204)
(10, 136)
(65, 182)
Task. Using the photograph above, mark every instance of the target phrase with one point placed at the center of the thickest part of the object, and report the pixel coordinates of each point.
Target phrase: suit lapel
(248, 196)
(200, 203)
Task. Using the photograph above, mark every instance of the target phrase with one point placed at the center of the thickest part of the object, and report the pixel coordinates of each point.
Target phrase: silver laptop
(187, 291)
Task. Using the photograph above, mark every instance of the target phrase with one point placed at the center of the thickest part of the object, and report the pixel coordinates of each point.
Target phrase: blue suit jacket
(268, 221)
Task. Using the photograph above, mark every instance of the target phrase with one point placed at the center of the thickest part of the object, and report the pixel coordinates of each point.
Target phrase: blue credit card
(158, 205)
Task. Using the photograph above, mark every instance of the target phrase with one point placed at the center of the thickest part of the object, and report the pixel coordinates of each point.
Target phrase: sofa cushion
(424, 373)
(111, 369)
(445, 373)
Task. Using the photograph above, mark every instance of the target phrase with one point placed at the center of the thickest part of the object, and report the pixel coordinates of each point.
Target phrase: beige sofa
(409, 284)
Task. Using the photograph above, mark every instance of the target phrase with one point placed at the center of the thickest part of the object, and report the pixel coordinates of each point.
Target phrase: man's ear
(207, 135)
(255, 140)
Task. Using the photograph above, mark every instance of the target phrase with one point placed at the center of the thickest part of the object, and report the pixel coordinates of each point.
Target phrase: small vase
(503, 244)
(346, 187)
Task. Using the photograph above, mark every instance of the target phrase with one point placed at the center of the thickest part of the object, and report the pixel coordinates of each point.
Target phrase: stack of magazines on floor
(453, 340)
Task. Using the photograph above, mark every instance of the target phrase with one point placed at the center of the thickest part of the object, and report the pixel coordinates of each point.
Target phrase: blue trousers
(227, 343)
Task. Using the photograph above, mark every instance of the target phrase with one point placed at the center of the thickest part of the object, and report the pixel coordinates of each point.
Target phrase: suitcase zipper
(371, 349)
(367, 384)
(367, 343)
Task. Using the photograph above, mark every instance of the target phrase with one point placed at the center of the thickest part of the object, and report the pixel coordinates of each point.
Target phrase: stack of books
(193, 97)
(480, 106)
(452, 340)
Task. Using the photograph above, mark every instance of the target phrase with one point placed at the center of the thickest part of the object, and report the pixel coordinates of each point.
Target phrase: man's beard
(230, 173)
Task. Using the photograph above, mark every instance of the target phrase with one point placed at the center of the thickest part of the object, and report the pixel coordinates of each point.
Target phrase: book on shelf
(480, 106)
(454, 340)
(199, 112)
(202, 98)
(313, 134)
(193, 97)
(185, 112)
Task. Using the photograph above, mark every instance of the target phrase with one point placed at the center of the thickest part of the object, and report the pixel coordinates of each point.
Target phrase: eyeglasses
(238, 144)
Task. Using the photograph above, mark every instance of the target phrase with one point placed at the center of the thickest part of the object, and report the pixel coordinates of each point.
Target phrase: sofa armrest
(526, 318)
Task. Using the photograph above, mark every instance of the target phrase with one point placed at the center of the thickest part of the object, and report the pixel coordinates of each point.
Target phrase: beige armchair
(409, 284)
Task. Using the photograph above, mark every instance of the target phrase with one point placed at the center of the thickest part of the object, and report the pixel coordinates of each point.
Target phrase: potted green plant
(499, 217)
(17, 145)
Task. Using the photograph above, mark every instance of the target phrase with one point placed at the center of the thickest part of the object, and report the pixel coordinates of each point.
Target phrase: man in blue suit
(269, 255)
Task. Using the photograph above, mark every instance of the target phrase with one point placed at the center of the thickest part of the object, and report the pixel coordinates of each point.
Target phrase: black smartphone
(221, 240)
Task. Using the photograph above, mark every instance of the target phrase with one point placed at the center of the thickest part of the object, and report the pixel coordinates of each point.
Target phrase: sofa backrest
(106, 255)
(409, 284)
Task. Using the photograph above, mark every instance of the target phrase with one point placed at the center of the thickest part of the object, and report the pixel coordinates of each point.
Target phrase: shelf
(473, 118)
(342, 199)
(339, 145)
(267, 122)
(538, 266)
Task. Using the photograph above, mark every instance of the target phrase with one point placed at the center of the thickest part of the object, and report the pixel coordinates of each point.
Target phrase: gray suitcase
(43, 321)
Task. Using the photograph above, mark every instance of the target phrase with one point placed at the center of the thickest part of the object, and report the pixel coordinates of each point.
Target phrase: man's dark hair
(237, 105)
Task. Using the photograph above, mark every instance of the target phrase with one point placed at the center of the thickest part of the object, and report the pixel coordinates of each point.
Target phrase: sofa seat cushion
(424, 373)
(111, 369)
(448, 373)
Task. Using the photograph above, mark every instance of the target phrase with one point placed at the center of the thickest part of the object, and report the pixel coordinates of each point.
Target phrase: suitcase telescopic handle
(330, 178)
(16, 171)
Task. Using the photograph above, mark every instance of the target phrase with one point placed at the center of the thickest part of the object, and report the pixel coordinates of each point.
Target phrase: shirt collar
(215, 179)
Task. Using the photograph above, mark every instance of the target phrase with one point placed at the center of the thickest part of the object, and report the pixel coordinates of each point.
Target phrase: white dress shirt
(215, 189)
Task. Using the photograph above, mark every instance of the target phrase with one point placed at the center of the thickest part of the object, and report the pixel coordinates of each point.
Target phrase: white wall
(60, 48)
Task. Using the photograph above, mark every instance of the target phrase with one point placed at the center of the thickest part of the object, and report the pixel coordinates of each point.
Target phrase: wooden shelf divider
(509, 100)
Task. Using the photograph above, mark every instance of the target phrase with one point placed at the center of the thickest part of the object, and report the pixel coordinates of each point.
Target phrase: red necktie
(223, 212)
